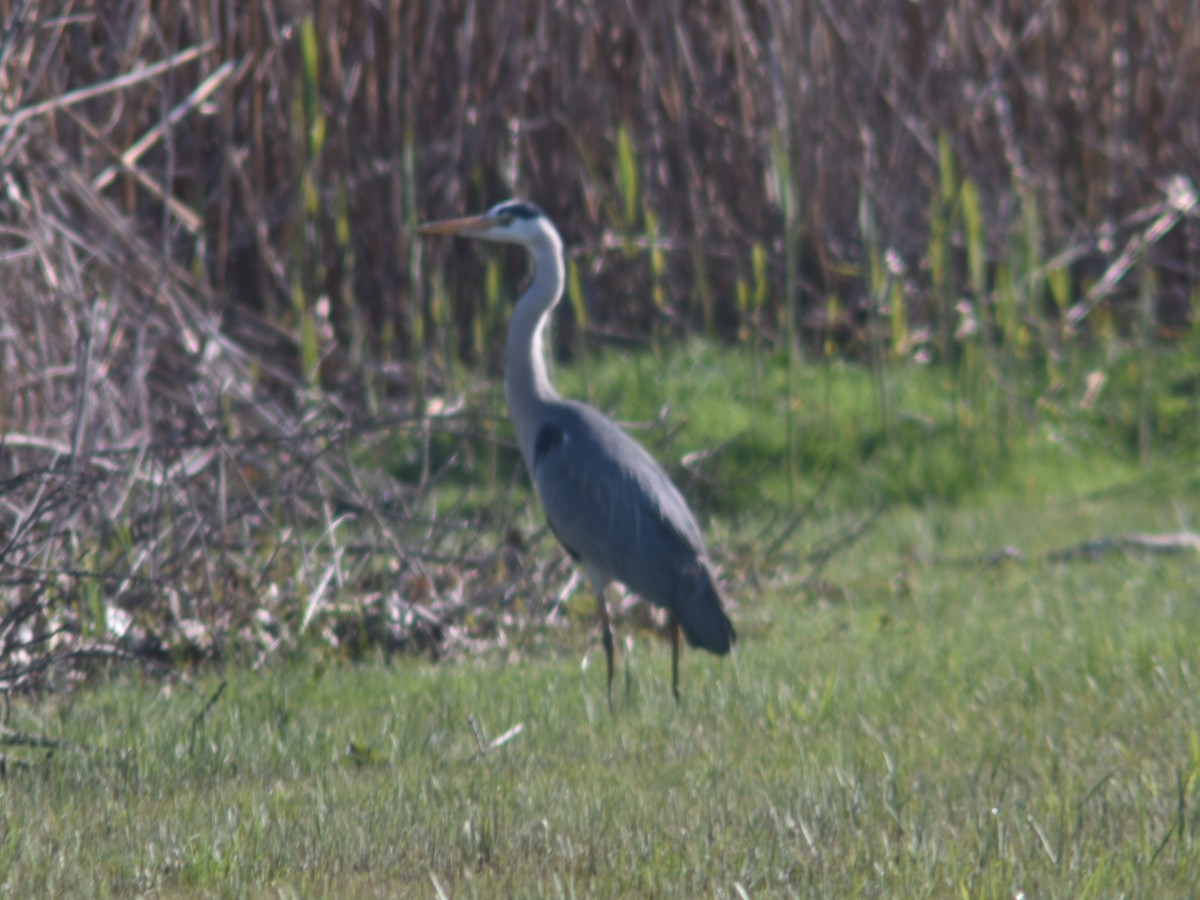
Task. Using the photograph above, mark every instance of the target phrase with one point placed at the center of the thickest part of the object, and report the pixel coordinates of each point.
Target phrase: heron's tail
(701, 615)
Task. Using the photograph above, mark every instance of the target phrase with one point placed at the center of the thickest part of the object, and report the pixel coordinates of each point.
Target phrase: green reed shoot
(786, 192)
(751, 299)
(358, 350)
(658, 271)
(489, 319)
(1058, 280)
(1008, 308)
(306, 268)
(578, 302)
(311, 86)
(703, 288)
(745, 331)
(988, 410)
(943, 215)
(489, 325)
(973, 228)
(416, 293)
(310, 351)
(879, 285)
(1144, 349)
(759, 295)
(627, 179)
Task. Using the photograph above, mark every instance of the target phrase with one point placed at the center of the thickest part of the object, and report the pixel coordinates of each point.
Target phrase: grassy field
(926, 718)
(915, 296)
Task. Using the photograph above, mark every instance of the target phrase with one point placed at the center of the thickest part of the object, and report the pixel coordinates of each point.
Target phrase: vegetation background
(211, 277)
(919, 252)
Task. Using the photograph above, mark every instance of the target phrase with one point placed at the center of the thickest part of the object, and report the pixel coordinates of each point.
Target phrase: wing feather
(610, 502)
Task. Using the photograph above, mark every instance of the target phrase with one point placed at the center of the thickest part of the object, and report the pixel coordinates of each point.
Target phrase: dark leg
(673, 627)
(606, 638)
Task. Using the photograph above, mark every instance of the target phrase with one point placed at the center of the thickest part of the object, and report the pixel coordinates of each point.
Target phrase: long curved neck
(526, 382)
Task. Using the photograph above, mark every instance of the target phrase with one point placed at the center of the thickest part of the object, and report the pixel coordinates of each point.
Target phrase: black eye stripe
(517, 209)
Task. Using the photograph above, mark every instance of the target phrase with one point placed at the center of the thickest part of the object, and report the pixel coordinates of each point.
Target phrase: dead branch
(1179, 542)
(1090, 550)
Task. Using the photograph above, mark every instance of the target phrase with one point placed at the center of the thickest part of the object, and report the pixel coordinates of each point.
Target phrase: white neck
(526, 382)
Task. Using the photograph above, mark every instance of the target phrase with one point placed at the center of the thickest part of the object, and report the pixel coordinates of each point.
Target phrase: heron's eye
(505, 221)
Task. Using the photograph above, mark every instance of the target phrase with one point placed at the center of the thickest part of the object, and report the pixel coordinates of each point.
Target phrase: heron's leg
(606, 636)
(673, 628)
(606, 633)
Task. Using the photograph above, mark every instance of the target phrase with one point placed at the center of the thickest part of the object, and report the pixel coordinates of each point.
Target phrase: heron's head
(510, 222)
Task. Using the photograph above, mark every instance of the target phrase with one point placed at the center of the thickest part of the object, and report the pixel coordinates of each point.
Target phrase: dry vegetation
(211, 294)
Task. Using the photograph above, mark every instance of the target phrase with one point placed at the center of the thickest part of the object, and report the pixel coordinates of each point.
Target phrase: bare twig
(1092, 549)
(199, 718)
(129, 157)
(140, 74)
(11, 738)
(485, 746)
(1180, 203)
(1180, 542)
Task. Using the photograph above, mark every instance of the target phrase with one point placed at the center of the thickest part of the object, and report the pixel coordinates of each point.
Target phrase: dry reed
(210, 286)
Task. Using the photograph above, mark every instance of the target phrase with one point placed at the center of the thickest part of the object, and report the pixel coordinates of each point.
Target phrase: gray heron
(607, 500)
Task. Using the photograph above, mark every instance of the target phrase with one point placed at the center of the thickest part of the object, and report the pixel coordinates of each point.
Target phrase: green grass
(916, 723)
(949, 436)
(936, 727)
(942, 442)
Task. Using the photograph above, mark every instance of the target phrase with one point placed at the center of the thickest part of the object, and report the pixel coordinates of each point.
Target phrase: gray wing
(611, 504)
(614, 508)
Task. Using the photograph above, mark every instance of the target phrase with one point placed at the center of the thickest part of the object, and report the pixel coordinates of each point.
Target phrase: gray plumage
(606, 498)
(614, 509)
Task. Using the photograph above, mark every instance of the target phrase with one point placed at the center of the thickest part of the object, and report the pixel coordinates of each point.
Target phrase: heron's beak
(471, 225)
